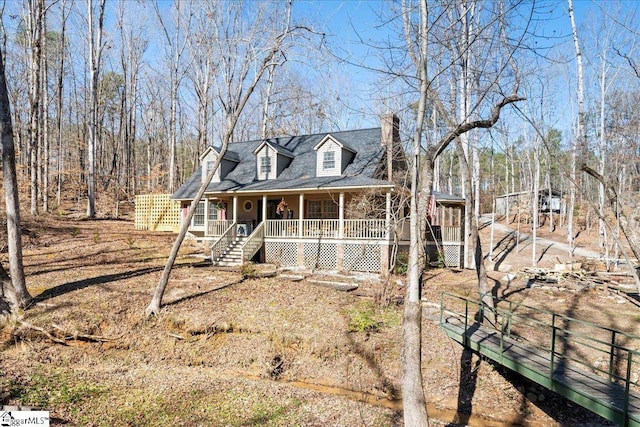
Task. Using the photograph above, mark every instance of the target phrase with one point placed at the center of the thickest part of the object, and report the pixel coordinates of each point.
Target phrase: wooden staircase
(232, 257)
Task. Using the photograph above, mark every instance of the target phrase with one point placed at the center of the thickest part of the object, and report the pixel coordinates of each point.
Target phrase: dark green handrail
(564, 335)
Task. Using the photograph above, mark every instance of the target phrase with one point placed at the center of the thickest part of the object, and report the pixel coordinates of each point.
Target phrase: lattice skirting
(326, 256)
(322, 256)
(157, 212)
(284, 254)
(451, 254)
(362, 257)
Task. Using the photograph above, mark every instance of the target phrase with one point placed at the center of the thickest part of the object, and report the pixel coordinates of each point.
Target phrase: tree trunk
(59, 102)
(473, 236)
(35, 29)
(44, 122)
(580, 146)
(535, 205)
(17, 293)
(95, 55)
(413, 400)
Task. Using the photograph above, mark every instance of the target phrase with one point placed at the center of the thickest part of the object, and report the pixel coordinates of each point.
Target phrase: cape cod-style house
(285, 200)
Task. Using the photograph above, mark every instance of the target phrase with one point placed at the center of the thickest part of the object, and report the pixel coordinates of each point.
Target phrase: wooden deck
(613, 400)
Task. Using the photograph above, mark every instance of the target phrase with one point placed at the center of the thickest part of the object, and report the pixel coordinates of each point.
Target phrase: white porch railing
(366, 229)
(281, 228)
(327, 228)
(451, 234)
(221, 245)
(218, 227)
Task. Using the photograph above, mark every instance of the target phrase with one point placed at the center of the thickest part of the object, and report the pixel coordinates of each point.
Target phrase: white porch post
(388, 216)
(206, 216)
(340, 245)
(264, 208)
(300, 214)
(341, 216)
(385, 251)
(235, 208)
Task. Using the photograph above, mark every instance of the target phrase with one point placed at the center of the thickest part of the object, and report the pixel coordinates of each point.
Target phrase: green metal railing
(562, 340)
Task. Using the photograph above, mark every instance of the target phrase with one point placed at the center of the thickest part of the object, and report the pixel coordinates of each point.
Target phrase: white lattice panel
(282, 253)
(362, 257)
(323, 256)
(451, 255)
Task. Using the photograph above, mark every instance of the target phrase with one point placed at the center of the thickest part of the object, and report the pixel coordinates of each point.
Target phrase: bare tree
(234, 91)
(175, 48)
(14, 290)
(417, 31)
(580, 145)
(36, 33)
(62, 52)
(96, 48)
(203, 68)
(133, 46)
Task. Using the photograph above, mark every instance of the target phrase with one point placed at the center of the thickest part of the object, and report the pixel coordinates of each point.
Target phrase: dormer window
(208, 161)
(332, 157)
(271, 159)
(265, 165)
(329, 162)
(210, 166)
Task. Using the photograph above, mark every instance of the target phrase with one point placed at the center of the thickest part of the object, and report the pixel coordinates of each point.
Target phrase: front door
(272, 205)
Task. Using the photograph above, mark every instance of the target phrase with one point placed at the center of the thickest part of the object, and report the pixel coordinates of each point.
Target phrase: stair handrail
(221, 245)
(616, 345)
(253, 243)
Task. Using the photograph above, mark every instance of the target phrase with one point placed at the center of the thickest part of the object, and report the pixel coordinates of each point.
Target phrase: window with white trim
(210, 165)
(329, 160)
(265, 165)
(322, 209)
(198, 216)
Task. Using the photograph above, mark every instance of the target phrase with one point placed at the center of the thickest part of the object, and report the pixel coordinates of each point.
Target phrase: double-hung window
(210, 165)
(329, 160)
(198, 216)
(265, 165)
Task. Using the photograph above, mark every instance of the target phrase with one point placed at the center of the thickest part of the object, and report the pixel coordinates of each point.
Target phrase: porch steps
(232, 257)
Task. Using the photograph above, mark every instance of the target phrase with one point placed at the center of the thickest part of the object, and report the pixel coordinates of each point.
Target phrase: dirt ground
(231, 350)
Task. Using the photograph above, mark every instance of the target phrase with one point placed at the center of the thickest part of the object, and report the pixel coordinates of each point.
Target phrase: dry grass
(230, 351)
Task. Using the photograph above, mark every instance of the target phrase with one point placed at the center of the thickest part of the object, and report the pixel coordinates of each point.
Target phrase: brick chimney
(390, 139)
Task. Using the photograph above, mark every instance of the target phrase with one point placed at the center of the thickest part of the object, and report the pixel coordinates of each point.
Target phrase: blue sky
(348, 21)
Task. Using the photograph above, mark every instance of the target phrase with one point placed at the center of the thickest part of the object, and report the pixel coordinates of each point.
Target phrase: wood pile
(583, 274)
(579, 276)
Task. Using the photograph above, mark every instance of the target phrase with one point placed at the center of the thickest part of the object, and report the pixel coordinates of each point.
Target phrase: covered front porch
(309, 230)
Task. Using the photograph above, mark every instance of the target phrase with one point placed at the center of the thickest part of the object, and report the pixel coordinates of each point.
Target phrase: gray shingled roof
(300, 174)
(445, 197)
(279, 149)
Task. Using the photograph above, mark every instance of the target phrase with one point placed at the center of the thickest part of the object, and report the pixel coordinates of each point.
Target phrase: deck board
(594, 389)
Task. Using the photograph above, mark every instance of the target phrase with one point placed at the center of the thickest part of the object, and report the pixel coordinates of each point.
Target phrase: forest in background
(118, 98)
(112, 99)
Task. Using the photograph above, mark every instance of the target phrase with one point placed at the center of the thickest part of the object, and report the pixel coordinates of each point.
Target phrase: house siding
(347, 156)
(328, 146)
(269, 152)
(282, 163)
(210, 157)
(226, 166)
